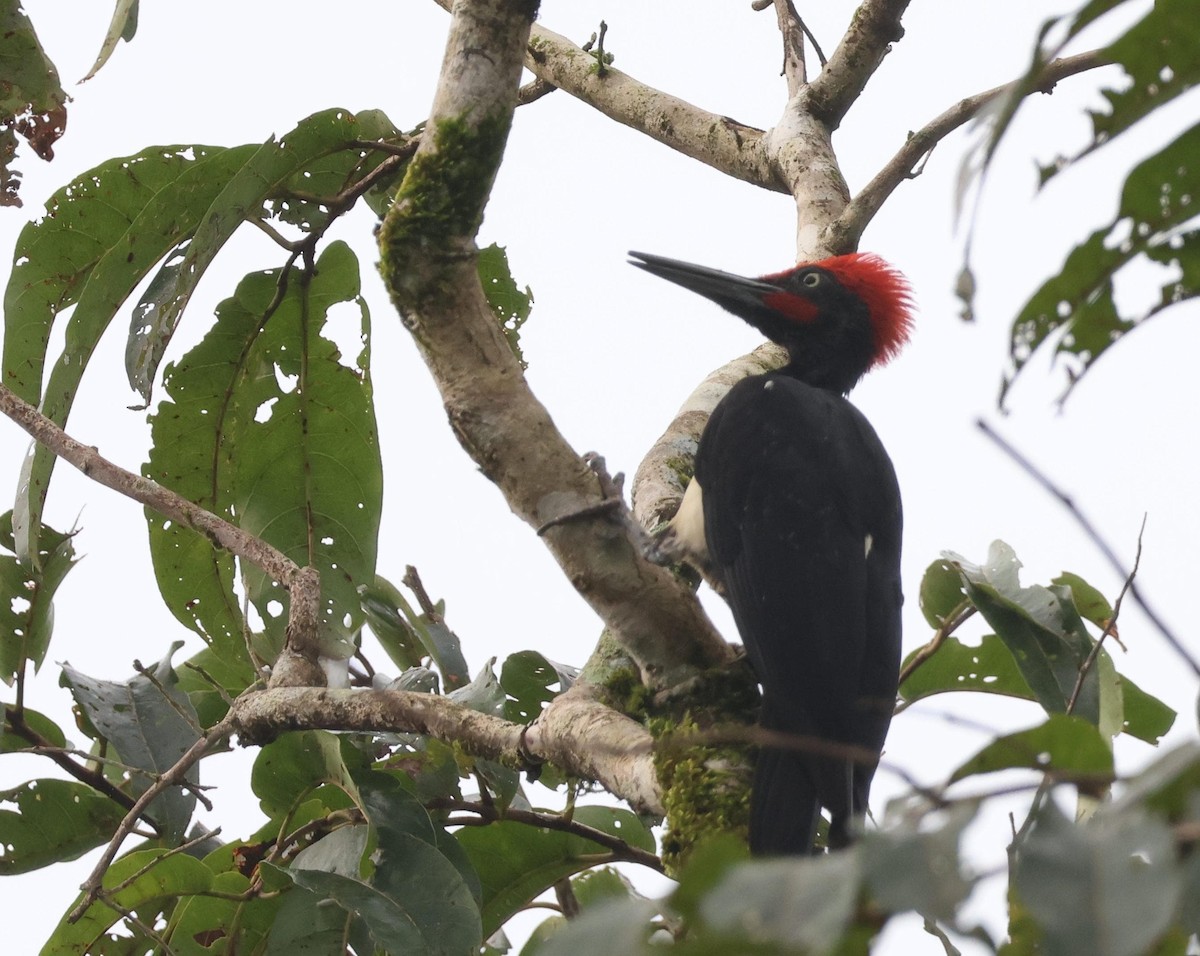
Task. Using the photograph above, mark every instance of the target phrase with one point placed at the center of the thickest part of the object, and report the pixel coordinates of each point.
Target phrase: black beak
(735, 293)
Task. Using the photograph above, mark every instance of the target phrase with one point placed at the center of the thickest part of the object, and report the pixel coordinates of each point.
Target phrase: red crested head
(837, 318)
(880, 286)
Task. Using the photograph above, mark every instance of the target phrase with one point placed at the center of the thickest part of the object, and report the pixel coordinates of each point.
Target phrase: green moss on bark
(441, 200)
(706, 788)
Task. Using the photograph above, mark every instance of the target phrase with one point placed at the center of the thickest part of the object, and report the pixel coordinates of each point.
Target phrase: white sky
(613, 352)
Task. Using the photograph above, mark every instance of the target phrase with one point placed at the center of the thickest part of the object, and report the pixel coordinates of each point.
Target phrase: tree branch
(303, 584)
(718, 141)
(792, 30)
(428, 263)
(874, 28)
(848, 227)
(575, 732)
(489, 813)
(93, 885)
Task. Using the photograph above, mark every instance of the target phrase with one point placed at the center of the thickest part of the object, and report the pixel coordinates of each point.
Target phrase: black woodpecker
(795, 512)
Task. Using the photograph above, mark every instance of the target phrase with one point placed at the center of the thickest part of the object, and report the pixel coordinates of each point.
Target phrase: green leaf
(1146, 717)
(306, 199)
(170, 877)
(295, 764)
(919, 870)
(1063, 744)
(122, 27)
(306, 925)
(1159, 56)
(40, 724)
(101, 236)
(614, 928)
(484, 694)
(433, 915)
(800, 903)
(338, 852)
(601, 885)
(1076, 308)
(259, 177)
(27, 590)
(509, 304)
(395, 622)
(1169, 786)
(231, 673)
(32, 101)
(151, 725)
(527, 678)
(942, 592)
(399, 816)
(988, 667)
(1040, 626)
(1091, 604)
(1105, 889)
(381, 603)
(517, 862)
(226, 925)
(54, 820)
(268, 422)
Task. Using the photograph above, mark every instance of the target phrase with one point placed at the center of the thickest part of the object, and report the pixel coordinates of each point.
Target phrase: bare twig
(93, 885)
(1110, 626)
(848, 227)
(303, 584)
(953, 621)
(1094, 536)
(166, 502)
(15, 720)
(792, 29)
(718, 141)
(552, 821)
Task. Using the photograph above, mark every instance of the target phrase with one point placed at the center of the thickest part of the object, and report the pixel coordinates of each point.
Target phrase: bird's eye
(812, 279)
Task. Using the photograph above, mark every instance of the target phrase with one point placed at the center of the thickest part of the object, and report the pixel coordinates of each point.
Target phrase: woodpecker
(794, 513)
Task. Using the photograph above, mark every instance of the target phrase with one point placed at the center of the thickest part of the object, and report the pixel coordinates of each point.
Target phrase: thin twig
(552, 821)
(951, 624)
(174, 704)
(849, 226)
(792, 30)
(15, 721)
(1110, 626)
(1094, 536)
(92, 886)
(88, 460)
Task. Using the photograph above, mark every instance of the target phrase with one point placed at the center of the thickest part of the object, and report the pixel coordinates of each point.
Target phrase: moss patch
(441, 200)
(706, 788)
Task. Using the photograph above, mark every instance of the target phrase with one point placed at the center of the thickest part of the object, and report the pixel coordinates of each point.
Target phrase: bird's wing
(803, 524)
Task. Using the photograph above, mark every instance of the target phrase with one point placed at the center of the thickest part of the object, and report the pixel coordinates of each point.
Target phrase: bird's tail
(784, 806)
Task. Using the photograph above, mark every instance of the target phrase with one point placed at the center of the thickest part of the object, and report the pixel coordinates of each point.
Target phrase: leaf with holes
(266, 420)
(242, 196)
(1063, 744)
(53, 820)
(100, 238)
(1040, 626)
(27, 597)
(151, 724)
(166, 878)
(509, 304)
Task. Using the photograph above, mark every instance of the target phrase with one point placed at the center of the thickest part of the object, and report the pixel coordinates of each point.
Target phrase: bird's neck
(820, 371)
